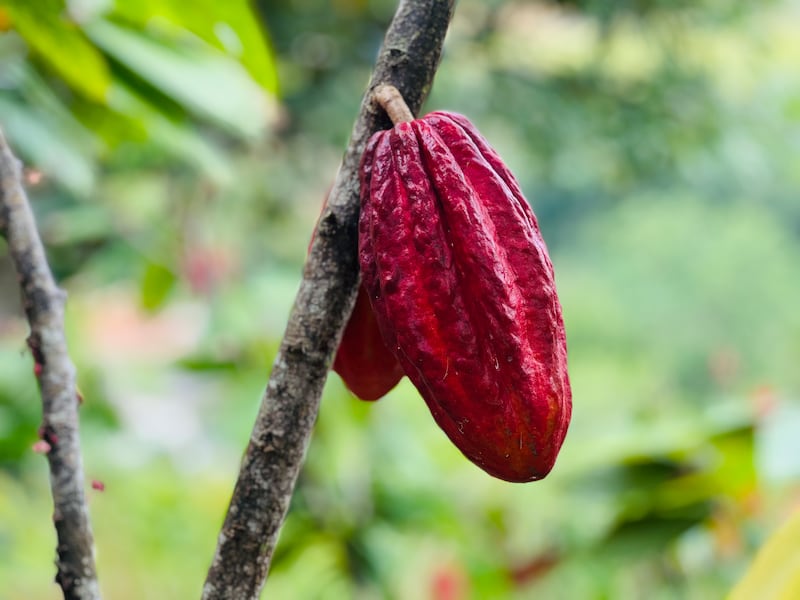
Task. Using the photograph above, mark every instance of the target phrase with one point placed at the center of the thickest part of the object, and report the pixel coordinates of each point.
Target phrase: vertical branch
(407, 60)
(44, 307)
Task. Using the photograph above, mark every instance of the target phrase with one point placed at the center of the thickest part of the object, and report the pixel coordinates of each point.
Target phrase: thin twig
(44, 307)
(408, 60)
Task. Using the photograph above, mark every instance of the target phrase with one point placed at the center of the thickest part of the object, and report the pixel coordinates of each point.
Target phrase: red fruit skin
(365, 364)
(363, 361)
(464, 294)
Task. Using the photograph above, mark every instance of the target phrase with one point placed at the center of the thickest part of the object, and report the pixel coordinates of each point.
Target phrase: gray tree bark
(408, 60)
(44, 306)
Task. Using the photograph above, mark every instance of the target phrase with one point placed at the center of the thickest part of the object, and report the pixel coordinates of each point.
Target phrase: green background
(178, 155)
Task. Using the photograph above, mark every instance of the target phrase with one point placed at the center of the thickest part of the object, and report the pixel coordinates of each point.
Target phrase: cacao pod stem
(391, 100)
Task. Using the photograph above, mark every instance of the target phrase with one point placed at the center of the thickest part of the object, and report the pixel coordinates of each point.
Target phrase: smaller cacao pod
(363, 361)
(463, 291)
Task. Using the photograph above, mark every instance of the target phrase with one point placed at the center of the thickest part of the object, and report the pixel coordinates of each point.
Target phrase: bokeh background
(178, 155)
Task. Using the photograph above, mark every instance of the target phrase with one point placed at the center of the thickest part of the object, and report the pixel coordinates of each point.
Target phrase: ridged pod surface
(463, 292)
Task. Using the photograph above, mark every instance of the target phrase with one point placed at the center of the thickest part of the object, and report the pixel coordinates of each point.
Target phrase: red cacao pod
(363, 361)
(365, 364)
(464, 294)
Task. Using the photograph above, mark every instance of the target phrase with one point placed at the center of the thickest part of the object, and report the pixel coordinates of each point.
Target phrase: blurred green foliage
(178, 156)
(81, 78)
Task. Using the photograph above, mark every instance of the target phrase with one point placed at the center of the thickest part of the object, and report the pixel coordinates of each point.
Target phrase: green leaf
(44, 130)
(41, 139)
(231, 26)
(633, 540)
(157, 282)
(204, 80)
(77, 224)
(179, 140)
(61, 44)
(184, 143)
(37, 92)
(775, 572)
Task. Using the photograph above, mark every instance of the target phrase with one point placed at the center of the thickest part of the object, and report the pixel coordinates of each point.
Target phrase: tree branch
(408, 60)
(44, 307)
